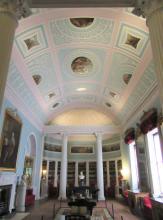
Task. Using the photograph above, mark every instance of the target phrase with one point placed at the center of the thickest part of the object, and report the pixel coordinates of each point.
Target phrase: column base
(101, 199)
(62, 198)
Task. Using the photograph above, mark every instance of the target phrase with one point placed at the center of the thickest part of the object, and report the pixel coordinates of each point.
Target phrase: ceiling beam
(80, 3)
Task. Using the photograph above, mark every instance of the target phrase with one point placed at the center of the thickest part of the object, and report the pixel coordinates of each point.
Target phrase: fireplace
(5, 193)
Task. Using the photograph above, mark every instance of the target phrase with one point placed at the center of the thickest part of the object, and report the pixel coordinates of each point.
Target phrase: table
(83, 203)
(134, 200)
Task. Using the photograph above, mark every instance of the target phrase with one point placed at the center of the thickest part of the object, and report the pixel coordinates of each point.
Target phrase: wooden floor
(44, 210)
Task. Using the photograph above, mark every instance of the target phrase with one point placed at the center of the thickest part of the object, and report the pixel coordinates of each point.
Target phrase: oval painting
(81, 65)
(81, 22)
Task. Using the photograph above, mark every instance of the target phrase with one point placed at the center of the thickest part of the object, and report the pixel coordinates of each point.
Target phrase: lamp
(125, 173)
(44, 171)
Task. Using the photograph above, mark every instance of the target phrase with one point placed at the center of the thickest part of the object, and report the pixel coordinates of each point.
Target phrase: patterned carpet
(44, 210)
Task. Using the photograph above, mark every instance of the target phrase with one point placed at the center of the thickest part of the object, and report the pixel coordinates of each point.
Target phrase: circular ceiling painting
(81, 22)
(81, 65)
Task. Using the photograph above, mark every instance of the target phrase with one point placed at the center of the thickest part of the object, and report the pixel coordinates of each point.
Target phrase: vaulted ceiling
(87, 58)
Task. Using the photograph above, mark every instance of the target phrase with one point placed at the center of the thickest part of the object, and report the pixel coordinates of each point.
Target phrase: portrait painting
(9, 145)
(82, 149)
(81, 65)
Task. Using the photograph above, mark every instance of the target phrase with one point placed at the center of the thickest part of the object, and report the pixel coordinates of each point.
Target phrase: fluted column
(76, 174)
(87, 173)
(100, 178)
(63, 175)
(10, 12)
(153, 11)
(56, 174)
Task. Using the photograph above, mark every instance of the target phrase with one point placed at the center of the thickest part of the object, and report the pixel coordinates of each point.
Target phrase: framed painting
(82, 149)
(9, 144)
(55, 148)
(110, 148)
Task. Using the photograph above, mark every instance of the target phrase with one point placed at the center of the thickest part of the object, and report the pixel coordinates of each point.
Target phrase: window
(134, 166)
(156, 161)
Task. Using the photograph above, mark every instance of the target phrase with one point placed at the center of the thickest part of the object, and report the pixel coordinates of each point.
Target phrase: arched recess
(30, 161)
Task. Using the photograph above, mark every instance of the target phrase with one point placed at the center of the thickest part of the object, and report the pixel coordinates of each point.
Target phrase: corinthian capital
(17, 8)
(145, 8)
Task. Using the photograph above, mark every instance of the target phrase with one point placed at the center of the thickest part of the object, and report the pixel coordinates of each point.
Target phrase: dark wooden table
(83, 203)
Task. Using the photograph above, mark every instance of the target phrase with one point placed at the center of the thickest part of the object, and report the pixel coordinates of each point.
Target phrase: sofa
(30, 197)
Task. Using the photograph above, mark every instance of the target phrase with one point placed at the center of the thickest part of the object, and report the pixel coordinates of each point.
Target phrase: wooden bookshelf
(92, 174)
(71, 174)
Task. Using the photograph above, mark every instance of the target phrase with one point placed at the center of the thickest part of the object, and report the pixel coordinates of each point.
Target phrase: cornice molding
(69, 130)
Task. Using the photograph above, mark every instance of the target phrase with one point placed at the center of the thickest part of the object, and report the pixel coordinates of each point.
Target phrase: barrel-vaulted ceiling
(82, 58)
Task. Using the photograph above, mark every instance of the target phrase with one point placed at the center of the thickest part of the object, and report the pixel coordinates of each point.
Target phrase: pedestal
(20, 198)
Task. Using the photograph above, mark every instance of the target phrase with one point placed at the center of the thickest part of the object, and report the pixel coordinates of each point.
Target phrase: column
(87, 173)
(10, 12)
(153, 11)
(40, 169)
(56, 174)
(100, 178)
(63, 175)
(76, 174)
(108, 173)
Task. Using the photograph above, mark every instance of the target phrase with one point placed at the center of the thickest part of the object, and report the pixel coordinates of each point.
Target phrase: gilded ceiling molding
(146, 8)
(15, 8)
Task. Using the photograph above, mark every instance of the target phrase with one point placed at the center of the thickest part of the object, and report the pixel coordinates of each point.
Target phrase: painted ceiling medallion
(132, 41)
(55, 105)
(37, 79)
(113, 94)
(81, 22)
(126, 78)
(31, 42)
(108, 104)
(51, 95)
(82, 65)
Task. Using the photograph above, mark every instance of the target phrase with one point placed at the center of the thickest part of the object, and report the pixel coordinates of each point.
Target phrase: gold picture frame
(10, 138)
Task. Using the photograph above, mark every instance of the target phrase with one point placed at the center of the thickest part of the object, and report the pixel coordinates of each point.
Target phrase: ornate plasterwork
(126, 37)
(17, 8)
(100, 31)
(67, 56)
(121, 64)
(146, 84)
(31, 41)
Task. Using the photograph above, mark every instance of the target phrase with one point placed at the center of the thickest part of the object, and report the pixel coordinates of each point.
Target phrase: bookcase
(58, 172)
(51, 172)
(92, 174)
(112, 173)
(119, 168)
(71, 174)
(105, 173)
